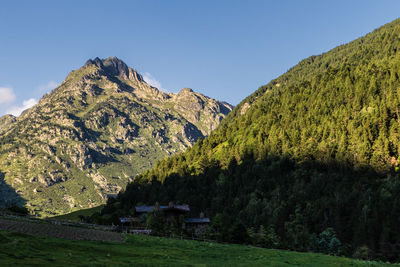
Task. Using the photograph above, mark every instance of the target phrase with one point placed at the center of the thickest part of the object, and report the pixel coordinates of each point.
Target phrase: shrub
(155, 221)
(362, 253)
(328, 243)
(238, 233)
(264, 237)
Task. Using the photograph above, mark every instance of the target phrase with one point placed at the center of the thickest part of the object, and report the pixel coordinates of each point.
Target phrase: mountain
(99, 128)
(6, 121)
(315, 150)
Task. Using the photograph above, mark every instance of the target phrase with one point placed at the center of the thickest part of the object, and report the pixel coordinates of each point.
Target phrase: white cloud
(148, 78)
(45, 88)
(7, 95)
(17, 110)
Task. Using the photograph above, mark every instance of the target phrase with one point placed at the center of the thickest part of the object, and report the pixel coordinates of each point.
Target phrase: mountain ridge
(96, 130)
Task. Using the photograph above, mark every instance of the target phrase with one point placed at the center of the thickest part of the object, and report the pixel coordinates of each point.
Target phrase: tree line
(313, 160)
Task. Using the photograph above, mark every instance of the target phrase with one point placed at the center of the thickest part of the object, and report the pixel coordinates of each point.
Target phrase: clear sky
(223, 49)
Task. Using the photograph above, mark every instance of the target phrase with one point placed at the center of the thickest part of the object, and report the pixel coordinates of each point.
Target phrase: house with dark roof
(197, 225)
(127, 220)
(172, 213)
(197, 220)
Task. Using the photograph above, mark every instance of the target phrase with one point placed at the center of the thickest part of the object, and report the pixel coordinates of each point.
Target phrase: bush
(328, 243)
(363, 253)
(264, 238)
(155, 221)
(218, 229)
(238, 234)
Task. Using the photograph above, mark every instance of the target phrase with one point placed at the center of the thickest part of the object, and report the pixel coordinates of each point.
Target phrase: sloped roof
(126, 219)
(197, 220)
(141, 209)
(144, 208)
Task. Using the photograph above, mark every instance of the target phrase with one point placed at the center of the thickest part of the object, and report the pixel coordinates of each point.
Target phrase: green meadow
(21, 249)
(74, 216)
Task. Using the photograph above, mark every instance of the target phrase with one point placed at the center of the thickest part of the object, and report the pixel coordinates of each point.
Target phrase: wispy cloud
(148, 78)
(45, 88)
(17, 110)
(8, 101)
(7, 95)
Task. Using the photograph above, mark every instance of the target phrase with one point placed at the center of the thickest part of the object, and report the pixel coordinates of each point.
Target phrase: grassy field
(59, 231)
(74, 216)
(21, 249)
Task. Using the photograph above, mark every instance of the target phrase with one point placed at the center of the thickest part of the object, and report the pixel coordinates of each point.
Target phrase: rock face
(199, 110)
(93, 133)
(6, 121)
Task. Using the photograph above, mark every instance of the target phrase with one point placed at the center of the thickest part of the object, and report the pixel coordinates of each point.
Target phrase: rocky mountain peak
(97, 61)
(185, 91)
(91, 135)
(115, 67)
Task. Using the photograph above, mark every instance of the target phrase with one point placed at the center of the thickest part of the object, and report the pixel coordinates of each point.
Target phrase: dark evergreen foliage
(318, 148)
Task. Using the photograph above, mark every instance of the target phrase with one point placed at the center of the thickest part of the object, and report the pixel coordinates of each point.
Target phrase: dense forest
(311, 157)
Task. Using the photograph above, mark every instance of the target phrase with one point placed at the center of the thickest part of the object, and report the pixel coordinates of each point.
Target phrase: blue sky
(223, 49)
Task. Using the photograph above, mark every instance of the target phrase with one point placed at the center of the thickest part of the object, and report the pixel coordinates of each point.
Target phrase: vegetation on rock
(92, 134)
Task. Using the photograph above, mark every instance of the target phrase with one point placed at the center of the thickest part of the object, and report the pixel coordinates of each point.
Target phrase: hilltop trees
(313, 155)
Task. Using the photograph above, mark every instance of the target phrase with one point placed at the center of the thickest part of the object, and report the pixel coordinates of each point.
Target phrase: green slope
(75, 216)
(318, 147)
(152, 251)
(87, 138)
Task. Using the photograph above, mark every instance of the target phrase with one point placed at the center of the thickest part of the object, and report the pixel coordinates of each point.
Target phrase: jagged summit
(115, 66)
(185, 90)
(97, 61)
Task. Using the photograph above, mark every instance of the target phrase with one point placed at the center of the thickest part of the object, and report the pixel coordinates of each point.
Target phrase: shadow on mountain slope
(297, 200)
(8, 196)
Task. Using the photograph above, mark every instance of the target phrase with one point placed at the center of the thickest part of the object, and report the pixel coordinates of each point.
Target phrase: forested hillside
(313, 150)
